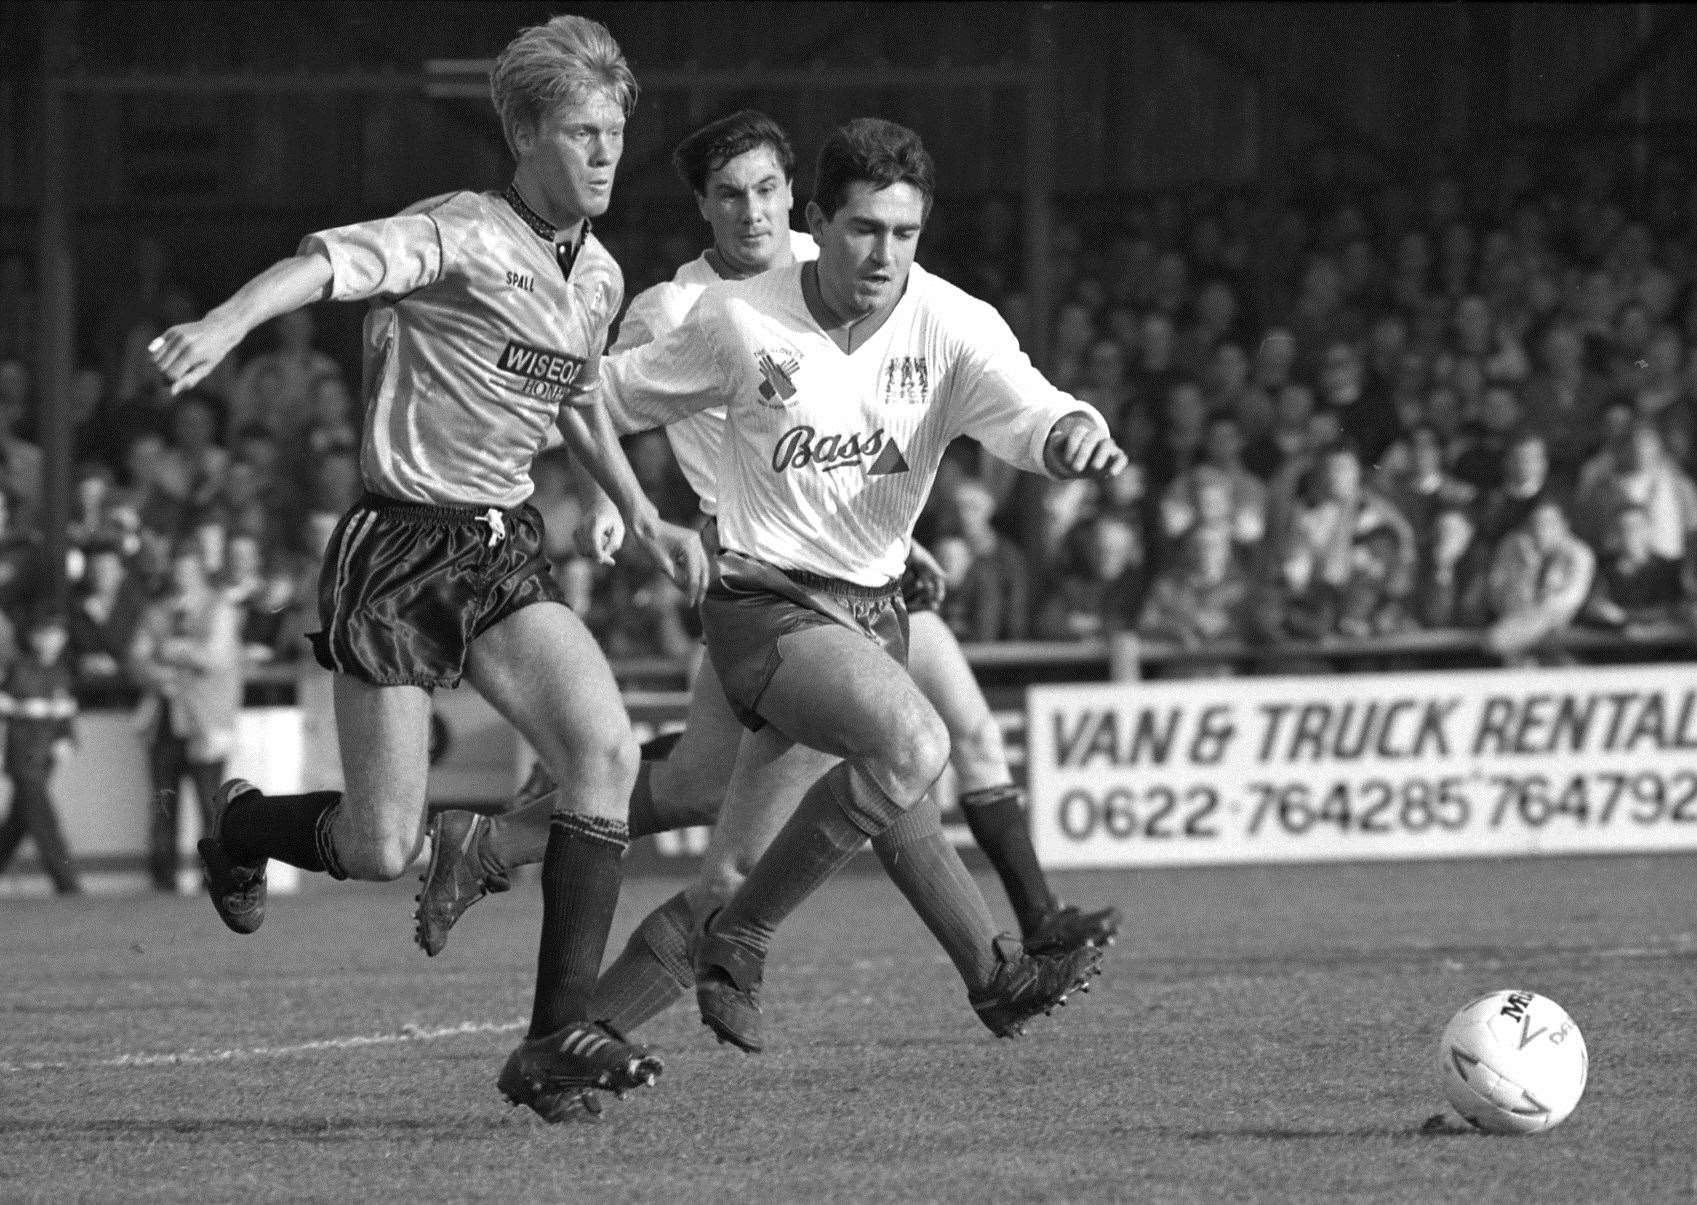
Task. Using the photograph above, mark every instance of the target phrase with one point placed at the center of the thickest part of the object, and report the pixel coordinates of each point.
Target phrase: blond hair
(568, 59)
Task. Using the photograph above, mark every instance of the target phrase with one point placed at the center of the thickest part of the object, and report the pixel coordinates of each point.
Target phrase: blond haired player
(488, 315)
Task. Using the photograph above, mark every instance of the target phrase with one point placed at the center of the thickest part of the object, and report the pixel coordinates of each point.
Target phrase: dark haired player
(843, 381)
(488, 314)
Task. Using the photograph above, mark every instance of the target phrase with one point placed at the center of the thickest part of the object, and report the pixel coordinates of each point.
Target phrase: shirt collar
(565, 251)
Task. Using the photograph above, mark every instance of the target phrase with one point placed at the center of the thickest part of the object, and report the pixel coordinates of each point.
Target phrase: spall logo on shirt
(803, 447)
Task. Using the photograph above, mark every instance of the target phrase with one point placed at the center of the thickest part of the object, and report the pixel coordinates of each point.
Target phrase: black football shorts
(407, 587)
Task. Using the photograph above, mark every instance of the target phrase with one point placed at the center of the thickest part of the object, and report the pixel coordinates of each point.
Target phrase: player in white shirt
(739, 169)
(489, 313)
(844, 380)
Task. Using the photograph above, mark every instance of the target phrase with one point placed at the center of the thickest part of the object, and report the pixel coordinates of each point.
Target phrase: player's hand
(600, 533)
(1077, 447)
(679, 552)
(923, 583)
(186, 353)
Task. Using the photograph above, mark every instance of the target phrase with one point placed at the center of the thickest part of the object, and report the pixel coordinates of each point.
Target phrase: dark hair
(718, 142)
(879, 152)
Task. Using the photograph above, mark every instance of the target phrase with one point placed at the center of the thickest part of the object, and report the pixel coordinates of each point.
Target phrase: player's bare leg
(994, 808)
(472, 855)
(543, 672)
(370, 830)
(653, 971)
(894, 746)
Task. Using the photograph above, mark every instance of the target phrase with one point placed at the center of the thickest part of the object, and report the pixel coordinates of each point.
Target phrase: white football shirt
(697, 441)
(829, 454)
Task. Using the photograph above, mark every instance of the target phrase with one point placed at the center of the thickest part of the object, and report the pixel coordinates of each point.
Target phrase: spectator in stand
(1376, 598)
(1479, 449)
(1540, 577)
(1525, 479)
(38, 703)
(274, 387)
(187, 654)
(1214, 320)
(104, 613)
(1657, 384)
(1202, 598)
(193, 463)
(997, 593)
(1634, 584)
(1447, 593)
(20, 460)
(1563, 401)
(1636, 471)
(1179, 436)
(1102, 382)
(1313, 554)
(92, 498)
(1414, 479)
(1288, 438)
(1221, 469)
(1156, 371)
(1100, 589)
(1074, 334)
(1275, 361)
(1367, 417)
(1226, 389)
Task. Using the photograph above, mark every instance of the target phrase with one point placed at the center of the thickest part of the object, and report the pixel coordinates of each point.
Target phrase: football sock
(291, 828)
(520, 838)
(580, 890)
(812, 846)
(920, 861)
(651, 974)
(996, 818)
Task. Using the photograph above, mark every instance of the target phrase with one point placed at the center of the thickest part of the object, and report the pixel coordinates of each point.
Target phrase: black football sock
(651, 974)
(291, 828)
(996, 818)
(920, 861)
(580, 890)
(812, 846)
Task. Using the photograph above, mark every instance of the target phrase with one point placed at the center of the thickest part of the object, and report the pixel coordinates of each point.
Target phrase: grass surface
(1260, 1034)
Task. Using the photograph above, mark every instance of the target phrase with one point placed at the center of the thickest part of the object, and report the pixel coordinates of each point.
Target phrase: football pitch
(1259, 1034)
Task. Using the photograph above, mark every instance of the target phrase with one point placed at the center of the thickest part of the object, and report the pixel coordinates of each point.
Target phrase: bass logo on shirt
(779, 369)
(906, 380)
(548, 375)
(803, 447)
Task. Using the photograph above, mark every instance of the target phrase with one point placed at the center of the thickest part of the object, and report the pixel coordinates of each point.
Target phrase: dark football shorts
(750, 606)
(406, 587)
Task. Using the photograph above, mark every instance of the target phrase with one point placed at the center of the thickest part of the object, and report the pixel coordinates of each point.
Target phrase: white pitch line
(191, 1058)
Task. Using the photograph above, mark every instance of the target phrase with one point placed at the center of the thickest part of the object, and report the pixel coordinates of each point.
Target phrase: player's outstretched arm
(186, 353)
(1079, 447)
(588, 431)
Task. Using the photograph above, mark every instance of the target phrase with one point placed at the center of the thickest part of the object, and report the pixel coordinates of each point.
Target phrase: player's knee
(977, 743)
(380, 860)
(915, 751)
(602, 766)
(714, 887)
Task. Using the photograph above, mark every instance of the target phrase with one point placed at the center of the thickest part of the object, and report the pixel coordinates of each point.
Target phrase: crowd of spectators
(1351, 413)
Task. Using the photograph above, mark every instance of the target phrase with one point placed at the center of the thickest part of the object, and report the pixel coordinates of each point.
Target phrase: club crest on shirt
(779, 369)
(803, 447)
(906, 379)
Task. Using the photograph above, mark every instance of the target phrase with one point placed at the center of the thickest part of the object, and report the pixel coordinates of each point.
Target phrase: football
(1513, 1062)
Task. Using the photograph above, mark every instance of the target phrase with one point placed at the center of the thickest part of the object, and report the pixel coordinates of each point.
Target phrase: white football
(1513, 1062)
